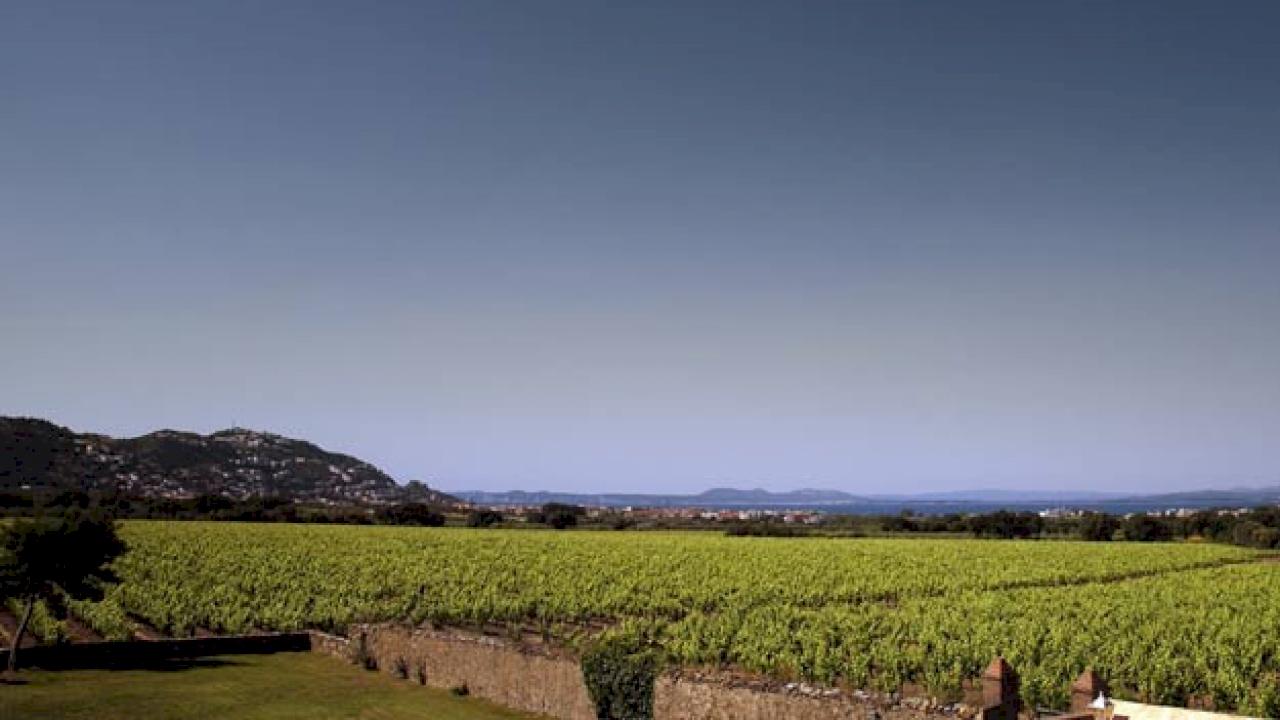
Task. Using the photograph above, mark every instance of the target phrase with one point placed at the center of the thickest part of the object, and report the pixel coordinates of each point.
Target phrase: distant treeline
(219, 507)
(1256, 528)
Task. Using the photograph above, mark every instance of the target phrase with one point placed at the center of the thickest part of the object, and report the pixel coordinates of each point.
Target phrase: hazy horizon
(873, 247)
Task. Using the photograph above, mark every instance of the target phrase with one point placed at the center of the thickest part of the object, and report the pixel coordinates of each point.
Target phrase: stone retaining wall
(546, 680)
(334, 645)
(695, 695)
(516, 675)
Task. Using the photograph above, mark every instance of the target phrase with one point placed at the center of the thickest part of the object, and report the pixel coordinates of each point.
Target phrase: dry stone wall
(539, 679)
(334, 645)
(516, 675)
(693, 695)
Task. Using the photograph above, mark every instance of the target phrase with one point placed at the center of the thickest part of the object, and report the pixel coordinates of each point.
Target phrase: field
(1164, 622)
(249, 687)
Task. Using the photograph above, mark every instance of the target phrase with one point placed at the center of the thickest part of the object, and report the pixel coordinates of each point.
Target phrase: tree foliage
(55, 559)
(411, 514)
(558, 515)
(1007, 525)
(1144, 528)
(619, 670)
(1098, 527)
(483, 518)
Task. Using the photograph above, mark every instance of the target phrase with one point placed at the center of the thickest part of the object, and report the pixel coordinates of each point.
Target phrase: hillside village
(237, 463)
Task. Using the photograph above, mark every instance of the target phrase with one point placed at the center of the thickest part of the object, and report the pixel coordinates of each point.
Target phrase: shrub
(619, 670)
(1255, 534)
(557, 515)
(1098, 527)
(1144, 528)
(621, 522)
(411, 514)
(561, 519)
(1007, 525)
(764, 529)
(483, 518)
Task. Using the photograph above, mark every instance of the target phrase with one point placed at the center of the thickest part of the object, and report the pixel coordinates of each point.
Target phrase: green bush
(1254, 534)
(619, 669)
(1143, 528)
(483, 518)
(1098, 527)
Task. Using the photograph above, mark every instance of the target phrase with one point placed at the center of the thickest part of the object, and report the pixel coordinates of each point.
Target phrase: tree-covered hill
(39, 455)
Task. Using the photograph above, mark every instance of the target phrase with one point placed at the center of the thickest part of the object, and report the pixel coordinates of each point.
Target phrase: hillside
(238, 463)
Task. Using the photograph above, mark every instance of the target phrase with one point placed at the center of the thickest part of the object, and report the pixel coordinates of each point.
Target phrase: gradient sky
(880, 247)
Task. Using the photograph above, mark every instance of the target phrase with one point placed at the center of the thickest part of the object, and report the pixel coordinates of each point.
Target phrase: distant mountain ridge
(237, 463)
(719, 497)
(759, 495)
(960, 501)
(996, 494)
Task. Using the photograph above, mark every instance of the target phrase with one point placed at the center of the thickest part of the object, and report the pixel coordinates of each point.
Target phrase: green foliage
(1144, 528)
(1007, 525)
(50, 556)
(1098, 527)
(49, 559)
(764, 529)
(619, 670)
(483, 518)
(1254, 534)
(558, 515)
(1158, 620)
(44, 626)
(1264, 701)
(411, 514)
(105, 616)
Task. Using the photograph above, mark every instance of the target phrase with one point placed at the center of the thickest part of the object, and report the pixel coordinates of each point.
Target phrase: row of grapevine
(231, 577)
(867, 612)
(1165, 639)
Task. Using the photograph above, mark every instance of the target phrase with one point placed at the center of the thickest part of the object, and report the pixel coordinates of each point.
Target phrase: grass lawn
(262, 687)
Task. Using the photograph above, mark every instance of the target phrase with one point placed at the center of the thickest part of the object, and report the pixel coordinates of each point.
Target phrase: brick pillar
(1000, 691)
(1085, 689)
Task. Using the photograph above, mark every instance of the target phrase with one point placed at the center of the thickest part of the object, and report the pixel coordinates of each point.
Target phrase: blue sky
(874, 246)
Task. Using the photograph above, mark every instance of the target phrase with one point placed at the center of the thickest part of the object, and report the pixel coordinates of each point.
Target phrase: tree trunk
(17, 635)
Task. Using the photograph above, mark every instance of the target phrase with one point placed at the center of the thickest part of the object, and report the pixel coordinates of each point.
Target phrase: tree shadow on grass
(178, 664)
(149, 665)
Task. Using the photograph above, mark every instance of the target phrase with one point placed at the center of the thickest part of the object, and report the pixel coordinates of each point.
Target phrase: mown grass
(285, 686)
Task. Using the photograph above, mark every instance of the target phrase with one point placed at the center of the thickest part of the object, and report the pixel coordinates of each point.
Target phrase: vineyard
(1166, 623)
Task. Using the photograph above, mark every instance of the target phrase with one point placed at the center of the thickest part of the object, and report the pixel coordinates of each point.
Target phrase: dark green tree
(483, 518)
(51, 558)
(619, 670)
(1145, 528)
(559, 515)
(411, 514)
(1007, 525)
(1098, 527)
